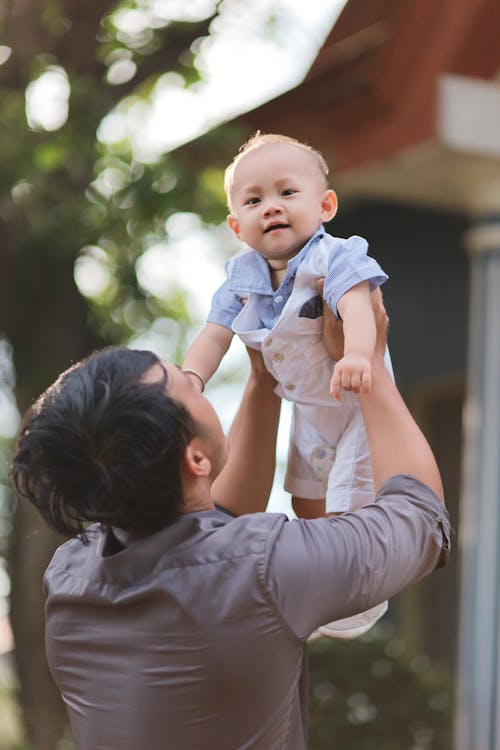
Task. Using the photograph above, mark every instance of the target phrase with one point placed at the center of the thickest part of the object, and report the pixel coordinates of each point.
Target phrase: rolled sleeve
(226, 305)
(350, 265)
(330, 568)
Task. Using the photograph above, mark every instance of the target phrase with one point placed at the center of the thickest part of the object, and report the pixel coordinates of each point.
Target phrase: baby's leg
(307, 508)
(310, 459)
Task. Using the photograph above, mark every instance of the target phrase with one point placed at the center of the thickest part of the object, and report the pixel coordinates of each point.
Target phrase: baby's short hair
(261, 139)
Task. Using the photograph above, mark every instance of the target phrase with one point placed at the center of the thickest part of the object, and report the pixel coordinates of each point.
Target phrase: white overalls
(328, 453)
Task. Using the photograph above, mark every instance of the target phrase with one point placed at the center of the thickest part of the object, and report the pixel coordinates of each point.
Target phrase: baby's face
(279, 199)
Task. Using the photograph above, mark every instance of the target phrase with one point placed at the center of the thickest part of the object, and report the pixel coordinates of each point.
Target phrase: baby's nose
(271, 208)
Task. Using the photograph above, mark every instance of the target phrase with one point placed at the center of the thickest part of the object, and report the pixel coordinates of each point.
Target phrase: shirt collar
(176, 530)
(249, 271)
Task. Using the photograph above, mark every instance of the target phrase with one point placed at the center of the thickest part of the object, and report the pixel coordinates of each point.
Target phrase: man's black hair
(101, 446)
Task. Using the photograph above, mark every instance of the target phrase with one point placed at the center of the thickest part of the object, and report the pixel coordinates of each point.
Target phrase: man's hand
(333, 329)
(257, 363)
(351, 373)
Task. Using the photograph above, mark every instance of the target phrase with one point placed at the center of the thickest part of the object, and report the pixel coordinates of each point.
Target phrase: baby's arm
(353, 371)
(206, 352)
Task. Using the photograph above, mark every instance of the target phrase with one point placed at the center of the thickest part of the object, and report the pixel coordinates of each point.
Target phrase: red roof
(372, 91)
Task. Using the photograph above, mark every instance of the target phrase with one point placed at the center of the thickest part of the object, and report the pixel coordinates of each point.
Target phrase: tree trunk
(32, 546)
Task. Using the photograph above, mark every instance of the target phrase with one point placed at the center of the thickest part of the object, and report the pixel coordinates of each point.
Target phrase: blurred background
(117, 120)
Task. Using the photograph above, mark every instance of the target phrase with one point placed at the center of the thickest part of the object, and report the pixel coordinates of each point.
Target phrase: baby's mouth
(276, 226)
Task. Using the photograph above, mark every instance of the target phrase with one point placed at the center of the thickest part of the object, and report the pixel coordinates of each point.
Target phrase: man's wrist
(261, 379)
(379, 368)
(197, 376)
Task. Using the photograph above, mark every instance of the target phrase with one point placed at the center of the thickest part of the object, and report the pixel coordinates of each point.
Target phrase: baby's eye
(252, 201)
(288, 191)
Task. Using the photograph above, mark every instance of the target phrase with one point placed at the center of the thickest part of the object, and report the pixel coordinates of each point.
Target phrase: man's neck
(196, 495)
(193, 506)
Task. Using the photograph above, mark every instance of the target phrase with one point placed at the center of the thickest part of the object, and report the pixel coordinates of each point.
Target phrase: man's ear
(195, 460)
(329, 205)
(233, 224)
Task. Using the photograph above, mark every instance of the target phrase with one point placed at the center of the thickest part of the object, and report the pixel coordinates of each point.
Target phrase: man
(173, 623)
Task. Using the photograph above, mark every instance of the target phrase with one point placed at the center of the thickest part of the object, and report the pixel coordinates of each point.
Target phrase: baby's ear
(329, 205)
(233, 224)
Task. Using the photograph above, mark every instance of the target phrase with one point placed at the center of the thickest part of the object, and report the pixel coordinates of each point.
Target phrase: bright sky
(247, 63)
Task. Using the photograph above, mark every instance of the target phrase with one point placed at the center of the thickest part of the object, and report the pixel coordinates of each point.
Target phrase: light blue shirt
(248, 272)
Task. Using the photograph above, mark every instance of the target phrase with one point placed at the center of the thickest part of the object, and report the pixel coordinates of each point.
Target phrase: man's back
(194, 637)
(175, 642)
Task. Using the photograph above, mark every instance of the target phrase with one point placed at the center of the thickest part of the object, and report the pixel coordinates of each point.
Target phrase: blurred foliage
(63, 191)
(57, 189)
(368, 694)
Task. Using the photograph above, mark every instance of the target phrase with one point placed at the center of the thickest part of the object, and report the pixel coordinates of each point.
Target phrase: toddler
(278, 198)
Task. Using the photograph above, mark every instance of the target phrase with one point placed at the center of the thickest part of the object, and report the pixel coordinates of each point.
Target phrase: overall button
(278, 357)
(268, 342)
(290, 387)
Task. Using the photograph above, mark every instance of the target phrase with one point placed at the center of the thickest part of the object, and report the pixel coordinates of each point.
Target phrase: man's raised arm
(245, 483)
(397, 445)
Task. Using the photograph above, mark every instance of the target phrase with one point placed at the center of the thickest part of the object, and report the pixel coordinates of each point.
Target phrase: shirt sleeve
(350, 265)
(225, 306)
(329, 568)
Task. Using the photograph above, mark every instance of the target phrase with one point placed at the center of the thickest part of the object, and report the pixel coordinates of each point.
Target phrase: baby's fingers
(355, 381)
(335, 384)
(366, 382)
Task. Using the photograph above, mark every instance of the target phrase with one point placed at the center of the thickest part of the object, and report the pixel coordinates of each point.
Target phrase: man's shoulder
(252, 532)
(78, 545)
(71, 558)
(192, 540)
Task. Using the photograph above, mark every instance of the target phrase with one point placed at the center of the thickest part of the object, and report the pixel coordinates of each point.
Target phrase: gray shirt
(194, 638)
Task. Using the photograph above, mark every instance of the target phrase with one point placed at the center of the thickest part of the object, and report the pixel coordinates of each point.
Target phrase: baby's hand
(352, 373)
